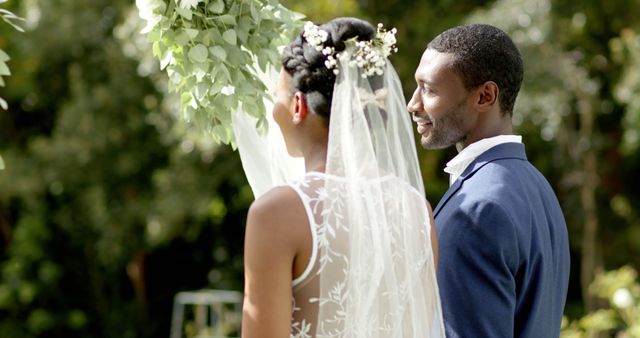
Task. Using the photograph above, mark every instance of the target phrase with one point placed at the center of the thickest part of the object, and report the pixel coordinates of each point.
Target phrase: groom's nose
(415, 104)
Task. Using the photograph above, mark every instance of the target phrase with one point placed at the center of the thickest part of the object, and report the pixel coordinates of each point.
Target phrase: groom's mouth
(424, 123)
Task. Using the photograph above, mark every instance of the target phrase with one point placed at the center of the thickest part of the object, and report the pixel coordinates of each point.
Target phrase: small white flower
(389, 39)
(622, 298)
(189, 4)
(228, 90)
(314, 35)
(369, 55)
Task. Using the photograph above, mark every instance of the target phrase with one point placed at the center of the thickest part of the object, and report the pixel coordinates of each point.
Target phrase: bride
(346, 250)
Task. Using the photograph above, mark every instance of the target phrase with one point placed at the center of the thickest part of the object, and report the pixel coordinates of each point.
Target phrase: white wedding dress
(386, 319)
(372, 273)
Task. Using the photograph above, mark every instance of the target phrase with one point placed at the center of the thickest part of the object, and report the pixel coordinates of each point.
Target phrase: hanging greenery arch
(212, 51)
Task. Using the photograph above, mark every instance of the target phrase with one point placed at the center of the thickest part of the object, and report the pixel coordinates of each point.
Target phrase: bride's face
(283, 112)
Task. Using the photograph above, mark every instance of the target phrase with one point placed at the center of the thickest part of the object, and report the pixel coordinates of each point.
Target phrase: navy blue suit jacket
(503, 250)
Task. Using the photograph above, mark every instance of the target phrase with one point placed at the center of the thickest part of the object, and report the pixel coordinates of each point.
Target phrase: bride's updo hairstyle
(305, 64)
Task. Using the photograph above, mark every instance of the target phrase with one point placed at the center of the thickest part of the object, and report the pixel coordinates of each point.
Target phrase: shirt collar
(458, 164)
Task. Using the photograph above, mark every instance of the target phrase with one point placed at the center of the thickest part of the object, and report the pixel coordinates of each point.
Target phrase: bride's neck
(315, 157)
(312, 139)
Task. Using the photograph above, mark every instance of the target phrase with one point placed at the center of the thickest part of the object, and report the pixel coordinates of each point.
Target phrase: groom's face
(440, 104)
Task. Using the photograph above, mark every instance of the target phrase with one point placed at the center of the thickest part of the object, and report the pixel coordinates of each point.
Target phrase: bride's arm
(434, 237)
(268, 258)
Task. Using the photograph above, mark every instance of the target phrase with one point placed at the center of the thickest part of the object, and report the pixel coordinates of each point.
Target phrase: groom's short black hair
(484, 53)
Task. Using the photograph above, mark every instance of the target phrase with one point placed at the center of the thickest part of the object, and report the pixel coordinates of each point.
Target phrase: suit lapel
(447, 195)
(501, 151)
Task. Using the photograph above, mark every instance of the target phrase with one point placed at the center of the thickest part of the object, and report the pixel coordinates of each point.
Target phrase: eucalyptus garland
(9, 18)
(212, 51)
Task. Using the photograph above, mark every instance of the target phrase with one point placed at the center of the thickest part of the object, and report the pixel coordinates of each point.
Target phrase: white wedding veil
(264, 157)
(377, 275)
(376, 265)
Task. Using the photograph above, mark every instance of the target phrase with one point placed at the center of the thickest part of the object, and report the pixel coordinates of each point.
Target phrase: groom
(503, 244)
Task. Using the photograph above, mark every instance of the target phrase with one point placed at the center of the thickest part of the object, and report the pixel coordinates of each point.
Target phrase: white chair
(209, 314)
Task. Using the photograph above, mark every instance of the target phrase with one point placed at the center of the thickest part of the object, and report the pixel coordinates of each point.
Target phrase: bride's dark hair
(305, 64)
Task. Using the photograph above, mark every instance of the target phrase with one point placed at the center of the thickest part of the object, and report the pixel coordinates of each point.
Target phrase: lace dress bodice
(324, 214)
(305, 287)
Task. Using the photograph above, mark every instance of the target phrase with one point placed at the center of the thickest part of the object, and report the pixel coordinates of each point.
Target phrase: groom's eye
(424, 89)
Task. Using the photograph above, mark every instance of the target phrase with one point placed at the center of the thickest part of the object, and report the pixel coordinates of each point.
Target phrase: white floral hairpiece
(370, 55)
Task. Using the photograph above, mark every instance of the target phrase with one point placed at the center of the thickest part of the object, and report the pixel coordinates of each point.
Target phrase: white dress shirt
(458, 164)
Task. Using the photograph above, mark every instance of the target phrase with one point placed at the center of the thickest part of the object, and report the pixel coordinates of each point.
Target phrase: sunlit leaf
(216, 7)
(218, 52)
(230, 36)
(226, 19)
(198, 53)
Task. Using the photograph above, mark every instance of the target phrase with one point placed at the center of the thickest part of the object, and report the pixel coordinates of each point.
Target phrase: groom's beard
(446, 129)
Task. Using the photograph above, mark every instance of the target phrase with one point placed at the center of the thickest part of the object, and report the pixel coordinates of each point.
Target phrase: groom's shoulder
(506, 183)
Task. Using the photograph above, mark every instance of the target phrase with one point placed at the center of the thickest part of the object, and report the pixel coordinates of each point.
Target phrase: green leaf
(226, 19)
(217, 7)
(200, 70)
(201, 91)
(154, 36)
(185, 13)
(4, 56)
(1, 161)
(218, 52)
(198, 53)
(254, 14)
(4, 69)
(230, 36)
(226, 72)
(166, 59)
(3, 104)
(191, 33)
(182, 39)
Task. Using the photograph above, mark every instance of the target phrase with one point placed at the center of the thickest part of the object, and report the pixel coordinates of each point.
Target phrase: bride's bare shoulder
(277, 210)
(280, 198)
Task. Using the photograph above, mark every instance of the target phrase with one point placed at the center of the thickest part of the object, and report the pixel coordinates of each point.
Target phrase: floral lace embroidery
(326, 203)
(299, 329)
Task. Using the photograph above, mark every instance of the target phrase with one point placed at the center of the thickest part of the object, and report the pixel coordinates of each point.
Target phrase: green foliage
(213, 50)
(621, 289)
(112, 203)
(9, 18)
(105, 212)
(626, 51)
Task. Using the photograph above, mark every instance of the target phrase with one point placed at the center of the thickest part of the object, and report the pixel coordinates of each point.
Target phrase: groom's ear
(487, 96)
(300, 109)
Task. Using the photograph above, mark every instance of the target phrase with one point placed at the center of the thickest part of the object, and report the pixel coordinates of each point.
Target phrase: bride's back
(385, 271)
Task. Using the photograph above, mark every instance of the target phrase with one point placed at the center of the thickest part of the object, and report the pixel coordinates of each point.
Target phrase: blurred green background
(110, 204)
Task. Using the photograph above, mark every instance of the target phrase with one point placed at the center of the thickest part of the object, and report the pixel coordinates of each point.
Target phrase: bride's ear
(300, 109)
